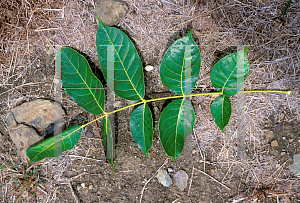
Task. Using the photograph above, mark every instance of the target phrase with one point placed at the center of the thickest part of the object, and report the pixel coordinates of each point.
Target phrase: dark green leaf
(54, 146)
(230, 72)
(176, 122)
(221, 111)
(141, 127)
(173, 66)
(107, 140)
(129, 77)
(81, 84)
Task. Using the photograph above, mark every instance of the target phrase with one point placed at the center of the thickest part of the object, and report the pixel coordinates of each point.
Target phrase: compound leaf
(221, 111)
(230, 72)
(141, 127)
(107, 141)
(128, 72)
(176, 122)
(183, 56)
(54, 146)
(80, 83)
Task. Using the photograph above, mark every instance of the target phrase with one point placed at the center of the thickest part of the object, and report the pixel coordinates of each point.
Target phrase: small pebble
(282, 153)
(89, 134)
(170, 170)
(164, 178)
(149, 68)
(180, 179)
(90, 187)
(83, 185)
(274, 143)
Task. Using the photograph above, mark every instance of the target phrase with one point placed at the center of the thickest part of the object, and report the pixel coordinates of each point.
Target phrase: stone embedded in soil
(295, 167)
(274, 143)
(110, 12)
(164, 178)
(180, 179)
(89, 134)
(29, 122)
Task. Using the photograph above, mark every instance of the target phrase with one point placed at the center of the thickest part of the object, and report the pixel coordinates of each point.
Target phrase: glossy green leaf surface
(80, 83)
(173, 66)
(141, 127)
(176, 122)
(106, 135)
(54, 146)
(230, 72)
(221, 111)
(129, 77)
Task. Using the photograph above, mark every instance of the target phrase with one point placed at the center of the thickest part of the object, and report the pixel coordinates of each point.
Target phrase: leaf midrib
(68, 135)
(84, 80)
(122, 63)
(231, 71)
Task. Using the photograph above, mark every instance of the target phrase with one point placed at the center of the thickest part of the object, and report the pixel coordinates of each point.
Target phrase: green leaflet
(230, 72)
(221, 111)
(176, 122)
(183, 56)
(128, 75)
(80, 83)
(141, 127)
(107, 141)
(54, 146)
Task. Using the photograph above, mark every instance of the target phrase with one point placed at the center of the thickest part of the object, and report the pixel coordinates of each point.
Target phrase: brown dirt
(30, 32)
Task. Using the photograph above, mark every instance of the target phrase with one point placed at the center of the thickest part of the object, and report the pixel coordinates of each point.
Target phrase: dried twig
(166, 161)
(191, 181)
(213, 179)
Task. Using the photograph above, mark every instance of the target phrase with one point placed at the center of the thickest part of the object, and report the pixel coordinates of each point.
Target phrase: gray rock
(164, 178)
(29, 122)
(180, 179)
(89, 134)
(295, 167)
(110, 12)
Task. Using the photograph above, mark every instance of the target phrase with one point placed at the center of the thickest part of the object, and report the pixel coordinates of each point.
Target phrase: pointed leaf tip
(54, 146)
(116, 52)
(221, 111)
(141, 127)
(175, 123)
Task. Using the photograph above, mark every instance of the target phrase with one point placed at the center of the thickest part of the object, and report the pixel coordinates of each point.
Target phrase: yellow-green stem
(181, 96)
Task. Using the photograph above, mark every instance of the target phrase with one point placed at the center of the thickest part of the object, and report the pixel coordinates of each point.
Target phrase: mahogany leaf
(182, 57)
(176, 122)
(54, 146)
(230, 72)
(141, 127)
(221, 111)
(128, 72)
(80, 83)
